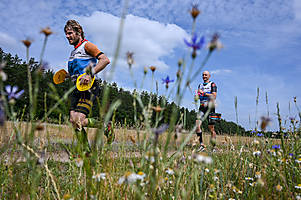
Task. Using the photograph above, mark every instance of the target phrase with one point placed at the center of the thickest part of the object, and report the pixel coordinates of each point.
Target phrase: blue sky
(261, 38)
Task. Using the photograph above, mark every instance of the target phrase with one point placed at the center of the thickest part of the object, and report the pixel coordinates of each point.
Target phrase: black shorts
(83, 101)
(203, 110)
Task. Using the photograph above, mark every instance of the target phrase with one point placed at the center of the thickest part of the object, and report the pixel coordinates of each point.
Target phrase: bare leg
(78, 121)
(199, 131)
(213, 135)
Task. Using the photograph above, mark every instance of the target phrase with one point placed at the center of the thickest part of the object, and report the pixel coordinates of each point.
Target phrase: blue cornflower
(160, 130)
(259, 134)
(45, 65)
(2, 113)
(276, 146)
(167, 81)
(291, 154)
(12, 92)
(195, 43)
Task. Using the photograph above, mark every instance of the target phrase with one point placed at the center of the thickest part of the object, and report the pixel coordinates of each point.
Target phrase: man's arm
(212, 95)
(103, 60)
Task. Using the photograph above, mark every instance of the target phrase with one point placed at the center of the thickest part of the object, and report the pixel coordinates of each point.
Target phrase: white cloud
(297, 10)
(221, 71)
(8, 41)
(149, 40)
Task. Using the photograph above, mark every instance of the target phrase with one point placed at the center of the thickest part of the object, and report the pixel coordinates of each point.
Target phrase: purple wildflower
(45, 65)
(276, 146)
(160, 130)
(167, 81)
(2, 113)
(195, 44)
(259, 134)
(12, 92)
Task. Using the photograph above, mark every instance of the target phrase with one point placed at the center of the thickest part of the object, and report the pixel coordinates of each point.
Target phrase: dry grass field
(55, 132)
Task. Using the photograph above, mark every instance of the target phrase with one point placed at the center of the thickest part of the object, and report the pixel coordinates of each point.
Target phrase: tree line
(49, 94)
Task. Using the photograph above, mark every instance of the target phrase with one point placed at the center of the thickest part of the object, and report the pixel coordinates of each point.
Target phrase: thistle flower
(179, 73)
(180, 62)
(157, 109)
(152, 68)
(167, 81)
(145, 70)
(46, 31)
(27, 42)
(195, 44)
(194, 11)
(265, 121)
(214, 43)
(12, 92)
(130, 59)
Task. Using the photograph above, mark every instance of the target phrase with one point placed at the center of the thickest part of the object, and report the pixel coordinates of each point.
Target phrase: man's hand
(85, 80)
(201, 92)
(67, 76)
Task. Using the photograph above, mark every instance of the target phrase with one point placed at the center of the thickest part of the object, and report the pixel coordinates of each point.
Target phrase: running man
(207, 94)
(85, 58)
